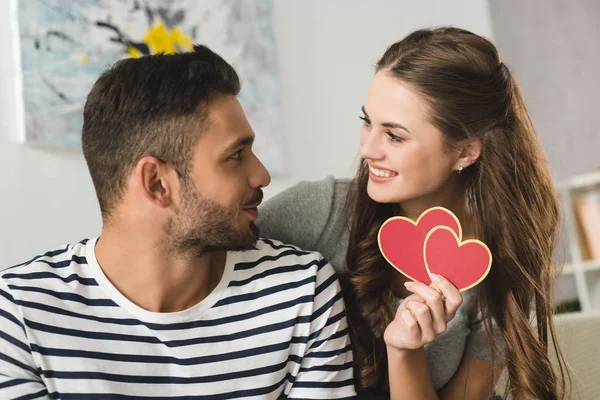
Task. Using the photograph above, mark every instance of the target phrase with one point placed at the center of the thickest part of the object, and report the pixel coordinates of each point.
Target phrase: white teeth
(382, 173)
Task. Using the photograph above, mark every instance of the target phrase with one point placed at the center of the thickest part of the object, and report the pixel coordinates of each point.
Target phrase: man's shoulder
(285, 253)
(52, 261)
(271, 256)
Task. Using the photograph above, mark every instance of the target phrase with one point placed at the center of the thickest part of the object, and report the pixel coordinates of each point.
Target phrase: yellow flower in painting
(133, 52)
(160, 39)
(183, 41)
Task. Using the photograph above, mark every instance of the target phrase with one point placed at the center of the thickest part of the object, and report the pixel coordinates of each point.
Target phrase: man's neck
(145, 270)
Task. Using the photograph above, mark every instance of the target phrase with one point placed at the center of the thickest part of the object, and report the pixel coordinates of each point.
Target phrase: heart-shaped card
(401, 241)
(434, 245)
(464, 263)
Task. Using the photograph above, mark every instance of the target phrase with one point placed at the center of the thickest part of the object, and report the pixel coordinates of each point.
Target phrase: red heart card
(464, 263)
(401, 241)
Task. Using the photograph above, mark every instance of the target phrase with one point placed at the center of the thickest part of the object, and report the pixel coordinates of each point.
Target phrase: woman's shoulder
(309, 215)
(320, 191)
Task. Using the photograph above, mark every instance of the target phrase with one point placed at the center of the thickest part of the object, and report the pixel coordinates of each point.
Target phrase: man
(177, 298)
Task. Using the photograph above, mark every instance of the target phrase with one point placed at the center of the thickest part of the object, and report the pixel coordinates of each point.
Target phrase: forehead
(390, 99)
(225, 123)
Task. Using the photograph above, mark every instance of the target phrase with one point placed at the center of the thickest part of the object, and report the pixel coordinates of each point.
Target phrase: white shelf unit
(586, 273)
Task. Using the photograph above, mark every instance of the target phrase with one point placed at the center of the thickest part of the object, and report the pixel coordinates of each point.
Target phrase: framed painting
(66, 44)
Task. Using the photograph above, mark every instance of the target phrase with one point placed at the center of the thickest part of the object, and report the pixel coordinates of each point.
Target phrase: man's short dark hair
(154, 105)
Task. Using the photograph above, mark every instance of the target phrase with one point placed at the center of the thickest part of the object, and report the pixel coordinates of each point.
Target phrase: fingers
(433, 299)
(450, 292)
(412, 330)
(409, 320)
(422, 314)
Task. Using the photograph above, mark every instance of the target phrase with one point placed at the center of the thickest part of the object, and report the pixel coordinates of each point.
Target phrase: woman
(444, 124)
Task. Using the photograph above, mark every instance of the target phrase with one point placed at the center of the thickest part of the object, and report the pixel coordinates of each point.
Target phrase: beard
(205, 226)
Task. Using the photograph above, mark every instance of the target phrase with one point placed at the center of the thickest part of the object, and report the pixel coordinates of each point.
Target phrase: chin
(250, 234)
(254, 229)
(382, 195)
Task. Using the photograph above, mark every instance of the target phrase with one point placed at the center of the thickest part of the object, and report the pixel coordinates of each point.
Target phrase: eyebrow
(239, 143)
(393, 125)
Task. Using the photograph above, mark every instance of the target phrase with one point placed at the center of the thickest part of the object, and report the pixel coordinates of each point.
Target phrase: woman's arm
(409, 375)
(309, 215)
(420, 319)
(472, 380)
(297, 215)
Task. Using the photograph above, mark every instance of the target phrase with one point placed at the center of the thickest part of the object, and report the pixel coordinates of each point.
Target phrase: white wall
(326, 50)
(553, 47)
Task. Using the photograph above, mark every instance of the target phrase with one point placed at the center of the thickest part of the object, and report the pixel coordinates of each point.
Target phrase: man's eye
(365, 120)
(237, 155)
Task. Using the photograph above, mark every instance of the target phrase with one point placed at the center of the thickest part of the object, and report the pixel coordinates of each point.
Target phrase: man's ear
(468, 155)
(153, 180)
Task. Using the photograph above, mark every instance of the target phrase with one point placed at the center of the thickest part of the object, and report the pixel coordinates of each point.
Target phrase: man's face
(219, 199)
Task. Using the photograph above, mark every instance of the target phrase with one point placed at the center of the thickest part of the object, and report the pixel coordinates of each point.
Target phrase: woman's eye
(365, 120)
(394, 138)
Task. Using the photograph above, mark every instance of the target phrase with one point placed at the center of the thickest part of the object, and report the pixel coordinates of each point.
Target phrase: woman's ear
(468, 155)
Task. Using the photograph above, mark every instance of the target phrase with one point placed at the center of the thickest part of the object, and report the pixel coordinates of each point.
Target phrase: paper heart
(401, 241)
(464, 264)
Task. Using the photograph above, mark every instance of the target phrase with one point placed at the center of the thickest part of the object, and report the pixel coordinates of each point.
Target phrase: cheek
(430, 171)
(229, 196)
(415, 157)
(420, 169)
(407, 159)
(223, 186)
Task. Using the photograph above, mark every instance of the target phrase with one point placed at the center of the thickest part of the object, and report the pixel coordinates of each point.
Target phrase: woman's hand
(424, 315)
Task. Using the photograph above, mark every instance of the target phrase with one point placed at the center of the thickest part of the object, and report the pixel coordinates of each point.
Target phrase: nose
(259, 176)
(370, 145)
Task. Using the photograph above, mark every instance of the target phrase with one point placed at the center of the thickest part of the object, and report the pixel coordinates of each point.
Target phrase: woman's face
(405, 152)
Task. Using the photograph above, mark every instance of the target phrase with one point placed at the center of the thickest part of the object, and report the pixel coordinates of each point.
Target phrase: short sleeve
(19, 376)
(326, 371)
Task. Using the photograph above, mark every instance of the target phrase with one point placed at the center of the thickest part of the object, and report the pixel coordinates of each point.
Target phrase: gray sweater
(311, 215)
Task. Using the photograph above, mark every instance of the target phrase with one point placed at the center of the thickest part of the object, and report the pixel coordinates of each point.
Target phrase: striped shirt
(273, 328)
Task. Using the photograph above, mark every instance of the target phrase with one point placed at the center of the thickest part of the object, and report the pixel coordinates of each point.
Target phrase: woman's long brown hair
(471, 94)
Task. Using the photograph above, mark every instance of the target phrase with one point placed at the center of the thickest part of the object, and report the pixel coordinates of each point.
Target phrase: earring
(460, 168)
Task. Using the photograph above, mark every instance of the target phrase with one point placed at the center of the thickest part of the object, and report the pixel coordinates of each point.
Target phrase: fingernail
(435, 277)
(408, 284)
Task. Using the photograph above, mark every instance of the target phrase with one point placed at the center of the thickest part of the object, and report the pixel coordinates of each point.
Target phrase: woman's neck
(451, 197)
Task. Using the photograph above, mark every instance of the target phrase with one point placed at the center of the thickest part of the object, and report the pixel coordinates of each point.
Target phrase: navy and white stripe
(274, 327)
